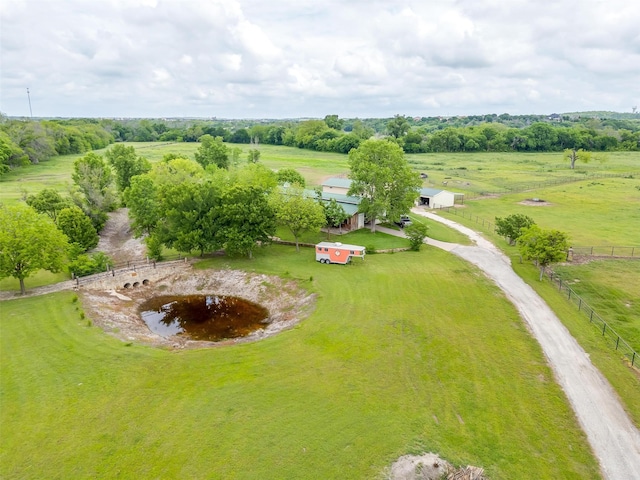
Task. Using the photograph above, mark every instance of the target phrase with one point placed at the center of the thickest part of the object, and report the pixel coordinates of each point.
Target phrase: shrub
(84, 264)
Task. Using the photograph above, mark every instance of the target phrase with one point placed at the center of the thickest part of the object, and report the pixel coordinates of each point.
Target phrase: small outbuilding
(435, 198)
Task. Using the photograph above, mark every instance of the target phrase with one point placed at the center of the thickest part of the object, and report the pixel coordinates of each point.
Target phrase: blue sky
(310, 58)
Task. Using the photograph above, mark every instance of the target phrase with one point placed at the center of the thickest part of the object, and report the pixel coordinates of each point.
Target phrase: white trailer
(336, 252)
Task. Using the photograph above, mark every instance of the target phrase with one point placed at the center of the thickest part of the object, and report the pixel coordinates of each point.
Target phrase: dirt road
(613, 437)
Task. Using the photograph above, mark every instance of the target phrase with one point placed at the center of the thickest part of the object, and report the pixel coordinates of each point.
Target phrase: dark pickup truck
(404, 221)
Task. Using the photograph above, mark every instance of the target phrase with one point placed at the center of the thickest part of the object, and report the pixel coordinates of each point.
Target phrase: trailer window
(351, 252)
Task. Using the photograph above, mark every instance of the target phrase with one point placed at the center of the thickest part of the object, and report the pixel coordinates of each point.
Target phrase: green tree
(189, 213)
(574, 155)
(126, 164)
(416, 233)
(543, 246)
(144, 204)
(253, 155)
(298, 212)
(334, 214)
(362, 131)
(49, 202)
(78, 228)
(85, 264)
(29, 242)
(93, 177)
(212, 151)
(383, 179)
(246, 218)
(511, 226)
(398, 126)
(334, 122)
(290, 176)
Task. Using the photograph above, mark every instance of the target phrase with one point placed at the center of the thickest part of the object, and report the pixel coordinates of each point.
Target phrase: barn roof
(429, 192)
(337, 182)
(349, 204)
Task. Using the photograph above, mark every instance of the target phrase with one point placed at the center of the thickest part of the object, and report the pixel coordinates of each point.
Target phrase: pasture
(403, 353)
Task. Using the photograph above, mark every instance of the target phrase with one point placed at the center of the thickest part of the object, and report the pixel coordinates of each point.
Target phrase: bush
(84, 265)
(416, 233)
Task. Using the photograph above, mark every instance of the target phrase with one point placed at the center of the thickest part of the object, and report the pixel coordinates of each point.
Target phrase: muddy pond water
(203, 317)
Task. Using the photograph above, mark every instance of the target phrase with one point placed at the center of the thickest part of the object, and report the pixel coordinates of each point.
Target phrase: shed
(435, 198)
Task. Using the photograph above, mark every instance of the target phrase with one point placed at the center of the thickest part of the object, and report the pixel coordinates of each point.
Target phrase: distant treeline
(31, 141)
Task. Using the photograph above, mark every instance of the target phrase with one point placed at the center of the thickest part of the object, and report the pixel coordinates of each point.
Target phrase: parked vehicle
(404, 221)
(336, 252)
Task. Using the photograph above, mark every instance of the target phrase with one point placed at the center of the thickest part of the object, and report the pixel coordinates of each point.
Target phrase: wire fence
(616, 251)
(608, 251)
(611, 336)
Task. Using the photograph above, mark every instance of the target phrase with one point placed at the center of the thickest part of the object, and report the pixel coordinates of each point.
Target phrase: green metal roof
(337, 182)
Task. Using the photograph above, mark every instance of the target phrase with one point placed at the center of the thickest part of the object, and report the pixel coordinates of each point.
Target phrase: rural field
(403, 353)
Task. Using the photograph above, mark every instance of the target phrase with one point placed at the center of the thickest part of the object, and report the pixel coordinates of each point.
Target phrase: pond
(203, 317)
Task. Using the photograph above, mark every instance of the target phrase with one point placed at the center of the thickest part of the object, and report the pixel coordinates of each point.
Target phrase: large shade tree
(212, 151)
(383, 179)
(126, 164)
(246, 219)
(29, 242)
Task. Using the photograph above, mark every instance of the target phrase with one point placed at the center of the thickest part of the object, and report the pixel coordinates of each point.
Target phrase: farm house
(337, 188)
(336, 252)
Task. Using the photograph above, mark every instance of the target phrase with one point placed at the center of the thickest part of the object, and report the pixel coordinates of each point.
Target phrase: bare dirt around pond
(117, 312)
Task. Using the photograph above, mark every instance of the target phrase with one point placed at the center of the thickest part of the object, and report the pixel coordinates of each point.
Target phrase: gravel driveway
(613, 437)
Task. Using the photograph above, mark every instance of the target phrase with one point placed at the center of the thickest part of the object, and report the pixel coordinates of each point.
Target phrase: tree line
(23, 142)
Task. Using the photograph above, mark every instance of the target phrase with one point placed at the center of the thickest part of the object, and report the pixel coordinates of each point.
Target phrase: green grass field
(605, 285)
(403, 353)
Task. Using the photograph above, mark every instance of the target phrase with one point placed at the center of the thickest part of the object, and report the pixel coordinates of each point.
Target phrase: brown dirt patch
(116, 239)
(117, 311)
(535, 203)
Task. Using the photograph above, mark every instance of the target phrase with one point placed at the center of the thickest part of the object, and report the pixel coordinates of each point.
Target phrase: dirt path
(613, 437)
(116, 239)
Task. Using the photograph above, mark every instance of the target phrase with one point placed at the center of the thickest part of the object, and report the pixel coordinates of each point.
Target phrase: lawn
(403, 353)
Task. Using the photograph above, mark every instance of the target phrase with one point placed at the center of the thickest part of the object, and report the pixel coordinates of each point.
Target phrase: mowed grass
(605, 285)
(403, 353)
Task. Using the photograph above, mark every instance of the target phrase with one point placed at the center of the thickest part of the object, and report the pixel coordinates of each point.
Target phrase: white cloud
(239, 58)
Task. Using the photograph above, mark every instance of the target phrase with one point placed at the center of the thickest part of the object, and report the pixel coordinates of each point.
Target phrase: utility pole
(29, 97)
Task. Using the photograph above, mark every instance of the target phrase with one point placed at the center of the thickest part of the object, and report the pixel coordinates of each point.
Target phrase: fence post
(560, 285)
(617, 342)
(569, 296)
(591, 316)
(579, 303)
(612, 251)
(633, 359)
(604, 328)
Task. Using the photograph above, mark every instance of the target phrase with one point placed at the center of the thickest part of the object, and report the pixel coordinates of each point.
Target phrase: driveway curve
(613, 437)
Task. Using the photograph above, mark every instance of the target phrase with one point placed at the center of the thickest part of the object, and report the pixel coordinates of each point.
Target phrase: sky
(311, 58)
